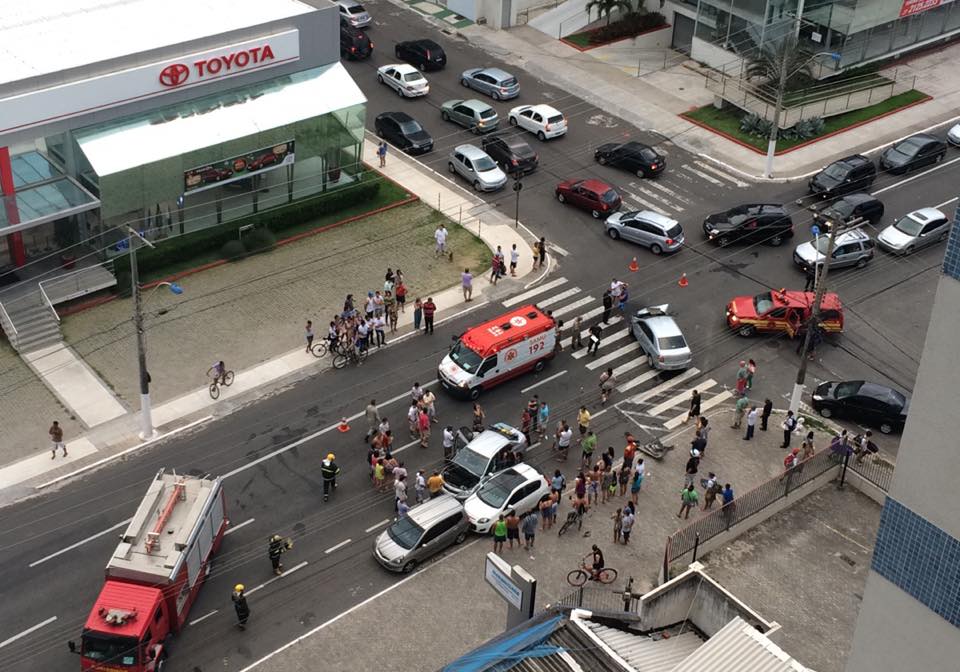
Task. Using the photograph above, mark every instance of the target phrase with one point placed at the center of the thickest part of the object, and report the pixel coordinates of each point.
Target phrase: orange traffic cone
(683, 280)
(343, 426)
(634, 266)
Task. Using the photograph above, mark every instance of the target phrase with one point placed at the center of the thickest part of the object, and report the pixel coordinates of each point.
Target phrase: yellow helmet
(238, 588)
(331, 456)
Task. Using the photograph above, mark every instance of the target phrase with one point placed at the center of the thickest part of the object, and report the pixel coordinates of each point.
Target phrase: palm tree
(769, 63)
(607, 7)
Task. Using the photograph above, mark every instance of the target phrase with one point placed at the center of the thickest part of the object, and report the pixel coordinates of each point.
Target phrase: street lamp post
(517, 187)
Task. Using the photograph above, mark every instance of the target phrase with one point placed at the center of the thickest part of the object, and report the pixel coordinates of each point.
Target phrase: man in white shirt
(564, 437)
(440, 235)
(448, 439)
(751, 423)
(514, 258)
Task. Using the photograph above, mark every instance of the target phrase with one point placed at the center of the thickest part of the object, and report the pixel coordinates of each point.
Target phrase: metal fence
(601, 600)
(875, 468)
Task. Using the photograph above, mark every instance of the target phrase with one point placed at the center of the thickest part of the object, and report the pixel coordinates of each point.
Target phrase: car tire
(651, 362)
(464, 83)
(656, 249)
(595, 214)
(886, 428)
(542, 136)
(513, 121)
(862, 262)
(614, 235)
(460, 538)
(825, 411)
(776, 240)
(602, 160)
(495, 95)
(943, 236)
(939, 157)
(474, 394)
(640, 173)
(422, 67)
(538, 367)
(380, 78)
(445, 116)
(379, 133)
(910, 250)
(723, 241)
(476, 185)
(747, 330)
(409, 567)
(561, 197)
(400, 92)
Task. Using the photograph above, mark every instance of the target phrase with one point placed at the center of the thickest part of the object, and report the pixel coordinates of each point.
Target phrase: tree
(607, 7)
(768, 63)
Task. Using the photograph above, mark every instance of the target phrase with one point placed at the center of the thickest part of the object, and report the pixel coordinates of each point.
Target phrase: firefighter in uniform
(329, 471)
(278, 546)
(240, 604)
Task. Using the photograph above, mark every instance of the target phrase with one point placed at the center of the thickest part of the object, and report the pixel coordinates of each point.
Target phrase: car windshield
(110, 649)
(472, 461)
(821, 244)
(837, 171)
(496, 491)
(410, 127)
(671, 343)
(488, 113)
(405, 532)
(482, 163)
(841, 208)
(609, 196)
(412, 77)
(465, 358)
(909, 147)
(908, 225)
(356, 9)
(762, 303)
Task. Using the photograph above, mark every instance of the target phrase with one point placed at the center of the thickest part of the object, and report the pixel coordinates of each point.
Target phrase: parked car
(542, 120)
(496, 83)
(476, 167)
(405, 79)
(426, 530)
(635, 157)
(476, 456)
(424, 54)
(850, 207)
(852, 173)
(355, 44)
(650, 229)
(916, 151)
(512, 154)
(516, 489)
(473, 114)
(851, 248)
(403, 131)
(869, 403)
(918, 229)
(953, 135)
(596, 197)
(752, 223)
(354, 13)
(660, 338)
(783, 311)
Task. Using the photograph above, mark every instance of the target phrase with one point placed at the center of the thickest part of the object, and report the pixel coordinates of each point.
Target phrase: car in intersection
(843, 176)
(543, 121)
(782, 311)
(953, 136)
(512, 154)
(517, 489)
(477, 456)
(476, 167)
(871, 404)
(496, 83)
(851, 248)
(403, 78)
(660, 338)
(355, 44)
(852, 206)
(657, 232)
(424, 54)
(635, 157)
(403, 131)
(472, 114)
(918, 229)
(354, 13)
(595, 196)
(768, 223)
(922, 149)
(427, 529)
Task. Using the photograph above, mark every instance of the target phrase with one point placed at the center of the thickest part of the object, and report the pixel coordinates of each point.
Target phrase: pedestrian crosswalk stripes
(646, 204)
(546, 303)
(705, 406)
(676, 196)
(616, 336)
(654, 391)
(680, 398)
(547, 286)
(700, 173)
(639, 380)
(717, 171)
(576, 305)
(616, 354)
(652, 194)
(629, 366)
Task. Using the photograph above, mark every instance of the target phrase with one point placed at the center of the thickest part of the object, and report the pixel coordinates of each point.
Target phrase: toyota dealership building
(167, 116)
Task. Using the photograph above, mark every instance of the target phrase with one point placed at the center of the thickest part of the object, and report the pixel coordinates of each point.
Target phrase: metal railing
(8, 327)
(70, 285)
(601, 601)
(46, 300)
(875, 468)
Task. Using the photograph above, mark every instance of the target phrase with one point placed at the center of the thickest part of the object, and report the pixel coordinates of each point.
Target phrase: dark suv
(354, 43)
(851, 207)
(636, 157)
(403, 131)
(424, 54)
(753, 223)
(853, 173)
(511, 153)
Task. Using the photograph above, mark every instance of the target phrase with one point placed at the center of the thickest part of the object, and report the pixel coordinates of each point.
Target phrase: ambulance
(498, 350)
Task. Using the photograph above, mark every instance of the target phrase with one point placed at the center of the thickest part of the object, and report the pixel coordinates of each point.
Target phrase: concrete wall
(717, 58)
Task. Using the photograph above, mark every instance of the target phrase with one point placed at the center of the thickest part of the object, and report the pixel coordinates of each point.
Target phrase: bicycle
(226, 379)
(572, 517)
(355, 355)
(580, 576)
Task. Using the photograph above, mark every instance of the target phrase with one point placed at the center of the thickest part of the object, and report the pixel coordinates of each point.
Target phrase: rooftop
(40, 38)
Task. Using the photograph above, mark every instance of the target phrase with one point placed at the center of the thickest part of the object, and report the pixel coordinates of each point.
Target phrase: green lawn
(727, 120)
(582, 40)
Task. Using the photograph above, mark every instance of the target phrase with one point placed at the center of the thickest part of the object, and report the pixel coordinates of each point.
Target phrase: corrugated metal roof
(738, 647)
(648, 653)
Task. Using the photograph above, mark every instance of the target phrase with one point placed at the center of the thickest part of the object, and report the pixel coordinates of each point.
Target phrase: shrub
(629, 26)
(259, 240)
(233, 250)
(753, 124)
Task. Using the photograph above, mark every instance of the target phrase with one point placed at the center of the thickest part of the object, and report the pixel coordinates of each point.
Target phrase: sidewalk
(224, 313)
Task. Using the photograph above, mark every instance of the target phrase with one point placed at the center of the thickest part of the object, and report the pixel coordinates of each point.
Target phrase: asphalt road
(54, 546)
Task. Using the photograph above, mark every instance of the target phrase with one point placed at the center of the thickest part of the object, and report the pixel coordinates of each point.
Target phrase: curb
(605, 44)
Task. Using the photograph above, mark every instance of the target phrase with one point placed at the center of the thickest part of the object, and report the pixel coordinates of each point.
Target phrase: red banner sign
(910, 7)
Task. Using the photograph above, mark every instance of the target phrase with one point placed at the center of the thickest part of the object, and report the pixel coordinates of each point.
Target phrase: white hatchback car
(542, 120)
(518, 489)
(405, 79)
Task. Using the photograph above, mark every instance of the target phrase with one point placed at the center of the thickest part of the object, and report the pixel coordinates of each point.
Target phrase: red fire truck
(154, 575)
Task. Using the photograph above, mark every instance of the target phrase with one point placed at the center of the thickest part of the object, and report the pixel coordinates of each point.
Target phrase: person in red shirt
(429, 308)
(423, 425)
(629, 451)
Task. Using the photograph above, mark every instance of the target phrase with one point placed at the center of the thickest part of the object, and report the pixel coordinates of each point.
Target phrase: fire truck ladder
(178, 494)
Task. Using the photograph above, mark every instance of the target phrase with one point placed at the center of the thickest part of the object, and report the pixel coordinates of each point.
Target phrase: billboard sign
(238, 168)
(910, 7)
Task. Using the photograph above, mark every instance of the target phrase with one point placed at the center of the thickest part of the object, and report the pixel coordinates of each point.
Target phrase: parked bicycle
(226, 379)
(354, 355)
(580, 576)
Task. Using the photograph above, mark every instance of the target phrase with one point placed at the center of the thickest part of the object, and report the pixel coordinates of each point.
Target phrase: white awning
(171, 131)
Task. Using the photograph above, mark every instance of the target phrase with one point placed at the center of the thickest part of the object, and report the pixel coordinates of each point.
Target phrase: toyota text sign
(217, 66)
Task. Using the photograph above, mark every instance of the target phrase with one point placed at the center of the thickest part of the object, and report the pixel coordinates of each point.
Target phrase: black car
(354, 43)
(916, 151)
(850, 207)
(403, 131)
(853, 173)
(636, 157)
(869, 403)
(514, 156)
(424, 54)
(752, 223)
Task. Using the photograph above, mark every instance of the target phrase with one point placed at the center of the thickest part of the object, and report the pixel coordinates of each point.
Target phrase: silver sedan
(918, 229)
(660, 338)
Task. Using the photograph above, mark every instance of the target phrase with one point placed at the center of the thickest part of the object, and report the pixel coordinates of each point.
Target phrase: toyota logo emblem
(174, 74)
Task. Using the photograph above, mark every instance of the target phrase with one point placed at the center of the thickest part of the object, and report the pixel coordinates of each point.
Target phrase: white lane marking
(673, 382)
(338, 546)
(204, 617)
(560, 312)
(629, 366)
(646, 204)
(609, 357)
(523, 296)
(375, 526)
(653, 194)
(28, 631)
(559, 250)
(616, 336)
(702, 174)
(542, 382)
(557, 298)
(585, 333)
(286, 572)
(705, 406)
(944, 164)
(69, 548)
(717, 171)
(402, 448)
(630, 384)
(357, 606)
(673, 194)
(234, 528)
(684, 395)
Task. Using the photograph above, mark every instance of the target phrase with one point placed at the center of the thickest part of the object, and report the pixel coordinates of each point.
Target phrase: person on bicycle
(596, 562)
(218, 372)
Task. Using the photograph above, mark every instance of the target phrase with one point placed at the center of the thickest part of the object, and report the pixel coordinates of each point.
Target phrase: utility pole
(835, 230)
(517, 186)
(146, 418)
